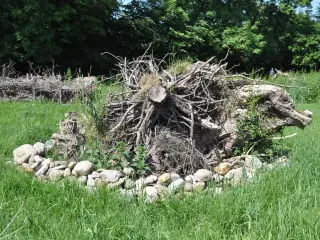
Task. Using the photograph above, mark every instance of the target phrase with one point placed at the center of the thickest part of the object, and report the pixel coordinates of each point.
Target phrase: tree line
(257, 33)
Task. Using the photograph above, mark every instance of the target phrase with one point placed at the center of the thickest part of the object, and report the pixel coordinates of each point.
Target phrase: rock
(218, 178)
(82, 179)
(235, 175)
(189, 179)
(49, 145)
(23, 153)
(117, 184)
(100, 170)
(52, 165)
(218, 190)
(35, 162)
(60, 163)
(95, 175)
(223, 168)
(203, 175)
(140, 184)
(188, 187)
(128, 194)
(150, 180)
(164, 179)
(99, 182)
(176, 185)
(129, 183)
(253, 163)
(55, 175)
(151, 194)
(62, 167)
(43, 170)
(162, 190)
(91, 182)
(282, 161)
(250, 176)
(174, 177)
(110, 176)
(67, 172)
(83, 168)
(129, 171)
(72, 164)
(40, 148)
(199, 186)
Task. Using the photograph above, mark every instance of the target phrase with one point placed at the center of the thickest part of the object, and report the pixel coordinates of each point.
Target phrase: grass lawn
(281, 205)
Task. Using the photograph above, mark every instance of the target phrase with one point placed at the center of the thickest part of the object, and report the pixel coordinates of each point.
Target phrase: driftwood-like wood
(196, 111)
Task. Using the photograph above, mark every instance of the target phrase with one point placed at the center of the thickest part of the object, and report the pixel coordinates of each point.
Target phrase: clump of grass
(179, 66)
(148, 81)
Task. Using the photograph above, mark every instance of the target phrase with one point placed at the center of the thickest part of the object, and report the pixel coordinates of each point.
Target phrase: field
(284, 204)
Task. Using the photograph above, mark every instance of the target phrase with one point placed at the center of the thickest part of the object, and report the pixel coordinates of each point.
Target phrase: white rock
(250, 176)
(235, 175)
(174, 177)
(23, 153)
(176, 186)
(67, 172)
(188, 187)
(51, 165)
(62, 167)
(60, 163)
(164, 179)
(162, 190)
(282, 162)
(129, 171)
(96, 175)
(140, 184)
(55, 175)
(110, 176)
(151, 194)
(49, 145)
(39, 147)
(43, 170)
(203, 175)
(218, 178)
(82, 179)
(72, 164)
(150, 180)
(83, 168)
(199, 186)
(117, 184)
(128, 194)
(91, 182)
(253, 163)
(129, 183)
(189, 179)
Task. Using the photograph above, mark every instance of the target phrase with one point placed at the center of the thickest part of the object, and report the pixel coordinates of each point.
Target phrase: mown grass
(284, 204)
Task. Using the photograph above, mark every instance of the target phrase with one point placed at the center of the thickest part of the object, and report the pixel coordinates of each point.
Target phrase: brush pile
(189, 119)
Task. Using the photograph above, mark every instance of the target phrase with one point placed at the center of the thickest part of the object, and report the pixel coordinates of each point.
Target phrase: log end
(157, 94)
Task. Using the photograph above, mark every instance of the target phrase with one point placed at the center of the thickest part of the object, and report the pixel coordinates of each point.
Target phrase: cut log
(157, 94)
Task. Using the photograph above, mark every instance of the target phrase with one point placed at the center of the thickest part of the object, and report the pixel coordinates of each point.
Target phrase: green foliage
(179, 66)
(254, 136)
(68, 74)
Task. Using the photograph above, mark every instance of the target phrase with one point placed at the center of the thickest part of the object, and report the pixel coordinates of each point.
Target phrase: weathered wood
(157, 94)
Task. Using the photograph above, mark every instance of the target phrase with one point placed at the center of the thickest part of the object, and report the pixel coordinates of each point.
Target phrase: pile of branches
(189, 120)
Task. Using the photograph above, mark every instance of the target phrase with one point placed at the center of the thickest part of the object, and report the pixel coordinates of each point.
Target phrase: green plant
(68, 74)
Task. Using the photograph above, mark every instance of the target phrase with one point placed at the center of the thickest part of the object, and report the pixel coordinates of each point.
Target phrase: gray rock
(82, 179)
(71, 165)
(218, 178)
(176, 186)
(49, 145)
(163, 191)
(110, 176)
(91, 182)
(151, 194)
(23, 153)
(203, 175)
(61, 167)
(253, 163)
(164, 179)
(127, 194)
(95, 175)
(150, 180)
(67, 172)
(188, 187)
(40, 148)
(250, 176)
(43, 170)
(55, 175)
(235, 175)
(60, 163)
(99, 182)
(129, 183)
(83, 168)
(129, 171)
(282, 161)
(117, 184)
(174, 177)
(189, 179)
(140, 184)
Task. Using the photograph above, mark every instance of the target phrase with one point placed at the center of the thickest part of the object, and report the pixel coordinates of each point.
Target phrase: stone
(40, 148)
(140, 184)
(128, 194)
(199, 186)
(117, 184)
(250, 176)
(189, 179)
(223, 168)
(60, 163)
(129, 183)
(49, 145)
(253, 163)
(164, 179)
(91, 182)
(83, 168)
(162, 190)
(174, 177)
(150, 180)
(176, 185)
(23, 153)
(100, 170)
(188, 187)
(110, 176)
(95, 174)
(218, 190)
(61, 167)
(67, 172)
(43, 170)
(203, 175)
(72, 164)
(129, 171)
(151, 194)
(55, 175)
(82, 179)
(218, 178)
(282, 161)
(99, 182)
(235, 175)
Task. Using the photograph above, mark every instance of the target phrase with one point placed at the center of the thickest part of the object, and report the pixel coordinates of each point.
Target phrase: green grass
(281, 205)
